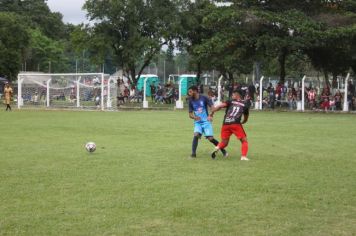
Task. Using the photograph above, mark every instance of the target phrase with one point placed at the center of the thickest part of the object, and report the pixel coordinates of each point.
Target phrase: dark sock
(215, 142)
(195, 144)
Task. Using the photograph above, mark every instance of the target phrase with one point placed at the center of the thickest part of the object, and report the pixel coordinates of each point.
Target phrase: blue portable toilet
(188, 80)
(151, 79)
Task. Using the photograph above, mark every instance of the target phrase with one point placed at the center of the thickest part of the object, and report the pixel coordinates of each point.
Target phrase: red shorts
(228, 130)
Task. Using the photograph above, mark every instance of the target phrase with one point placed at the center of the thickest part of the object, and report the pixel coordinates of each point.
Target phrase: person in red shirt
(236, 108)
(312, 98)
(325, 105)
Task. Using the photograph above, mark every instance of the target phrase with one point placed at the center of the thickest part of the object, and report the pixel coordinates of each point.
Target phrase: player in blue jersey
(198, 111)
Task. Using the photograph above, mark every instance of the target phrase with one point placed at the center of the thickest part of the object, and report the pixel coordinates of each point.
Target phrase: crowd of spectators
(160, 94)
(289, 94)
(275, 95)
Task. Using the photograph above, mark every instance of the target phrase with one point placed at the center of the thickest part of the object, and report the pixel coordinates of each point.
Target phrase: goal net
(81, 91)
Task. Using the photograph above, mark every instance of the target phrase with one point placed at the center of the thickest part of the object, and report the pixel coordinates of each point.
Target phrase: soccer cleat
(225, 153)
(193, 155)
(213, 154)
(244, 159)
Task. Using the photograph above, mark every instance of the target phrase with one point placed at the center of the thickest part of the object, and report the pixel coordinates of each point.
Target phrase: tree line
(279, 37)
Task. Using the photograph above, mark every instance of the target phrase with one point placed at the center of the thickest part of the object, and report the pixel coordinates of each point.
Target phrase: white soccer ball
(90, 146)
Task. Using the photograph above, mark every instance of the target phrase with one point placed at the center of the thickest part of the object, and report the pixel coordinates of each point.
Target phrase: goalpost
(69, 90)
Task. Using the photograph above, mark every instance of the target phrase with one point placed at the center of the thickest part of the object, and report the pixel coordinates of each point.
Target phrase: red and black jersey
(234, 111)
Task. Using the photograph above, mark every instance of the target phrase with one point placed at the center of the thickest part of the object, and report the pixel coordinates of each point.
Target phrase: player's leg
(225, 137)
(219, 146)
(239, 132)
(198, 130)
(244, 149)
(209, 134)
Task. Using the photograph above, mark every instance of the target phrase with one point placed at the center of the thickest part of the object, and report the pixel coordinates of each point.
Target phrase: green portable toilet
(188, 80)
(151, 79)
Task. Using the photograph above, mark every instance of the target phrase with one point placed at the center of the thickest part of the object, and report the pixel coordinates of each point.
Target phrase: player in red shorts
(232, 124)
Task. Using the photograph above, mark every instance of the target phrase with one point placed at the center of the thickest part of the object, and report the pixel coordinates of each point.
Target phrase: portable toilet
(188, 80)
(151, 79)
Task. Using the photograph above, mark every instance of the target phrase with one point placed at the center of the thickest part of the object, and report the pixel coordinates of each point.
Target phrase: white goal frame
(78, 76)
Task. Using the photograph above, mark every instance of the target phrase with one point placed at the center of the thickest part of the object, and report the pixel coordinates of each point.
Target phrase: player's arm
(192, 116)
(191, 112)
(217, 108)
(245, 117)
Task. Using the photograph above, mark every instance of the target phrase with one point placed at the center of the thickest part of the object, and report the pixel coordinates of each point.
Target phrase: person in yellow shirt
(8, 94)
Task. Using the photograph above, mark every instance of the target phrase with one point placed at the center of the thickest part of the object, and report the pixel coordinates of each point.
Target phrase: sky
(71, 10)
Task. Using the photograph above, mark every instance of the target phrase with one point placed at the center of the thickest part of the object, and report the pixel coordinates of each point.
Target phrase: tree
(49, 36)
(45, 52)
(277, 29)
(285, 34)
(13, 41)
(334, 50)
(193, 32)
(229, 49)
(36, 14)
(133, 30)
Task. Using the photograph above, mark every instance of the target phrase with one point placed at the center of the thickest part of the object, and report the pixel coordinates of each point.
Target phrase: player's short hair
(194, 88)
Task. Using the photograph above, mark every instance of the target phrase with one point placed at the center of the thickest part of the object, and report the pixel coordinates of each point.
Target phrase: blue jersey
(200, 107)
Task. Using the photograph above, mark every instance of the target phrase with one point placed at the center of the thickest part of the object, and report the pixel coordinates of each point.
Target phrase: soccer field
(301, 179)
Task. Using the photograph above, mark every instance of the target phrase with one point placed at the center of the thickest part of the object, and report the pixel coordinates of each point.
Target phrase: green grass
(301, 179)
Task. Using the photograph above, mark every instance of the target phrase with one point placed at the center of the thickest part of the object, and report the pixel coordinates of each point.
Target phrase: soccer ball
(90, 147)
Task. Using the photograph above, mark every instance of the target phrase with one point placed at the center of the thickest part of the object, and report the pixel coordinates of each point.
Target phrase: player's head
(236, 94)
(192, 91)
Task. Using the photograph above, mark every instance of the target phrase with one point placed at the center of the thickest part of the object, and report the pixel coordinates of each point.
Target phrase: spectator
(353, 103)
(62, 97)
(338, 99)
(126, 94)
(139, 95)
(159, 95)
(252, 90)
(351, 88)
(43, 91)
(271, 95)
(292, 97)
(312, 98)
(278, 91)
(169, 94)
(332, 103)
(35, 99)
(8, 95)
(324, 105)
(132, 94)
(201, 88)
(153, 91)
(97, 101)
(175, 94)
(350, 100)
(247, 98)
(212, 96)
